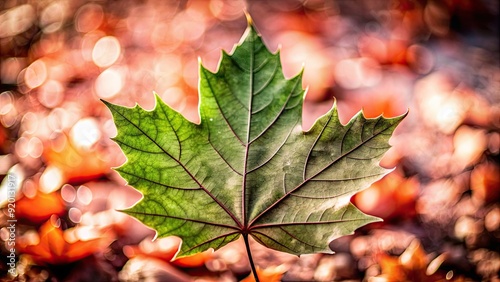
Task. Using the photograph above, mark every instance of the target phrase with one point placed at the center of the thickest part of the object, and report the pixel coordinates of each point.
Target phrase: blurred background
(439, 59)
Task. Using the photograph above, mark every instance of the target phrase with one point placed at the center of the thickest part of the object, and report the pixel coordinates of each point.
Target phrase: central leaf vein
(249, 122)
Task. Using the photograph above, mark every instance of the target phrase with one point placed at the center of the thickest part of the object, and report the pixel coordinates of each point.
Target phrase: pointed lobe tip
(249, 18)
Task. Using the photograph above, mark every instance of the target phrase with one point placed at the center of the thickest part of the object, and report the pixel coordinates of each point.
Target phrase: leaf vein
(185, 169)
(298, 239)
(274, 154)
(222, 113)
(218, 153)
(277, 116)
(185, 219)
(300, 185)
(348, 178)
(175, 132)
(271, 77)
(280, 224)
(313, 145)
(211, 240)
(160, 184)
(261, 66)
(272, 239)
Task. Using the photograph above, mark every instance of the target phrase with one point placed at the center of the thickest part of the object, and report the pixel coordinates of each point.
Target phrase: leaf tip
(157, 99)
(105, 102)
(406, 113)
(249, 18)
(251, 28)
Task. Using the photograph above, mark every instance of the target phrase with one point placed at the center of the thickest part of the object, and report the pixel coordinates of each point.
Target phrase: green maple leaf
(248, 168)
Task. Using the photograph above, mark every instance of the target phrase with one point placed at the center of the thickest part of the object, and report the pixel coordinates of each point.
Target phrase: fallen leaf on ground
(51, 244)
(41, 207)
(269, 274)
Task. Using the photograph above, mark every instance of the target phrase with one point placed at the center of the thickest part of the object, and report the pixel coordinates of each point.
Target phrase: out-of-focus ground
(439, 59)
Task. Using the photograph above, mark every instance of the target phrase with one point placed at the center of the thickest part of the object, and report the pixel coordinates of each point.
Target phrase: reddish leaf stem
(249, 253)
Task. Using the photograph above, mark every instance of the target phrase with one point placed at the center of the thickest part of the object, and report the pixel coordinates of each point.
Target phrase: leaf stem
(249, 253)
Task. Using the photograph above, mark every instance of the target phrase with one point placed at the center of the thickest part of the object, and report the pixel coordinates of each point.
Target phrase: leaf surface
(248, 167)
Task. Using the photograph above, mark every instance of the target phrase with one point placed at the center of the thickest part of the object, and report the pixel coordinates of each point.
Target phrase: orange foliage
(381, 106)
(194, 260)
(485, 183)
(3, 139)
(166, 249)
(270, 274)
(76, 164)
(52, 247)
(393, 196)
(39, 208)
(412, 265)
(163, 248)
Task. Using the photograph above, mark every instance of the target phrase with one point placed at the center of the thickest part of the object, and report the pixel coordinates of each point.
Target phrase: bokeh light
(10, 69)
(355, 73)
(16, 20)
(51, 94)
(84, 195)
(30, 189)
(106, 51)
(35, 147)
(85, 133)
(51, 179)
(75, 215)
(89, 17)
(36, 74)
(29, 123)
(6, 102)
(109, 83)
(68, 193)
(53, 16)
